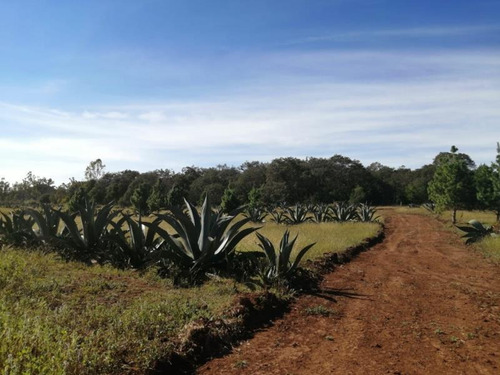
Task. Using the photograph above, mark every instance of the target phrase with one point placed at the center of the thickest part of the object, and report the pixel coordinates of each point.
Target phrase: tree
(230, 201)
(487, 179)
(158, 198)
(452, 184)
(139, 199)
(94, 170)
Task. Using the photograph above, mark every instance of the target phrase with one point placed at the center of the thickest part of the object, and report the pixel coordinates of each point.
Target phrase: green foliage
(139, 198)
(47, 221)
(255, 197)
(281, 267)
(476, 231)
(16, 229)
(64, 318)
(91, 241)
(175, 196)
(158, 197)
(451, 186)
(200, 242)
(487, 179)
(230, 201)
(78, 199)
(138, 245)
(358, 195)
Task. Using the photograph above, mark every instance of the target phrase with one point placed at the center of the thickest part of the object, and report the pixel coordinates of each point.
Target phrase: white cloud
(443, 99)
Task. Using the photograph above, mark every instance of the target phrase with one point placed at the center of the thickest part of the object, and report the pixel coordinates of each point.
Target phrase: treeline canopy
(283, 180)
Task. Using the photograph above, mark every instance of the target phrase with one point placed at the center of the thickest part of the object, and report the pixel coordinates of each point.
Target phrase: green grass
(329, 237)
(67, 318)
(490, 247)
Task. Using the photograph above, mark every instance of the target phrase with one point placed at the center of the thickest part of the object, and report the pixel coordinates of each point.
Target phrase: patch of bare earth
(420, 302)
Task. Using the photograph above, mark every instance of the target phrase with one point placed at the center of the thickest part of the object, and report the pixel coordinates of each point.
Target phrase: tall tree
(139, 199)
(452, 184)
(94, 170)
(487, 180)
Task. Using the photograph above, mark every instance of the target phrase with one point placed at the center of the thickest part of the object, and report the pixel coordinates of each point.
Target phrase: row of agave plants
(198, 244)
(339, 212)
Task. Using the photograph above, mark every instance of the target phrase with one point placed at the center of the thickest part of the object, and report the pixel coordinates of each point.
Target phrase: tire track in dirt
(418, 303)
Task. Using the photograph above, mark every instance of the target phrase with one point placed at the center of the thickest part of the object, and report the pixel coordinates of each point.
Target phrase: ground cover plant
(61, 317)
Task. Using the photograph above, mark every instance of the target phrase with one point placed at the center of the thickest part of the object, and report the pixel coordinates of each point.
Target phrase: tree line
(286, 180)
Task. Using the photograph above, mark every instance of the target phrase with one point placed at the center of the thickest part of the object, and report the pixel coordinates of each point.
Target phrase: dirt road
(418, 303)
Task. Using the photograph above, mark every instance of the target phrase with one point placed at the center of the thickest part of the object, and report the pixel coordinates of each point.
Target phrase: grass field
(61, 317)
(67, 318)
(329, 237)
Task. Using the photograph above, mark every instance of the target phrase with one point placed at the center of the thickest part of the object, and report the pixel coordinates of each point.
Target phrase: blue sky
(166, 84)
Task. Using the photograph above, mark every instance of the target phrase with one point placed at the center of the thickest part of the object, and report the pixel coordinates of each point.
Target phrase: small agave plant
(277, 215)
(201, 241)
(255, 214)
(321, 213)
(342, 211)
(281, 266)
(15, 229)
(89, 242)
(48, 222)
(297, 214)
(137, 245)
(366, 213)
(475, 231)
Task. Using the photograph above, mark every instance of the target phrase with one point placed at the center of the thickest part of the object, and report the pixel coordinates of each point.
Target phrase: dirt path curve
(418, 303)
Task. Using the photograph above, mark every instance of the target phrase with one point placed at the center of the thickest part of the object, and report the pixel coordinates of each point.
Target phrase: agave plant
(367, 213)
(255, 214)
(201, 241)
(137, 244)
(321, 213)
(48, 222)
(16, 229)
(475, 231)
(277, 215)
(281, 266)
(297, 215)
(342, 211)
(91, 241)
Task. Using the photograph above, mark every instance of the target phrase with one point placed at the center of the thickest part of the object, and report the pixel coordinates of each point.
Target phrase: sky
(164, 84)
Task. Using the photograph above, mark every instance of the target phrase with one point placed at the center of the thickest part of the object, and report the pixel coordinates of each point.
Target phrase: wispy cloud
(441, 99)
(415, 32)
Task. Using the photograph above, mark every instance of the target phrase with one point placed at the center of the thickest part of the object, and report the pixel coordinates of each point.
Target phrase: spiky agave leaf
(475, 231)
(201, 241)
(280, 264)
(139, 246)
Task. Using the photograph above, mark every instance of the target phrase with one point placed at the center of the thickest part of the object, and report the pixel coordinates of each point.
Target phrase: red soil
(420, 302)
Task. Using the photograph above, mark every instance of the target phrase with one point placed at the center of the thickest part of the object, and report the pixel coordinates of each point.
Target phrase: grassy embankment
(67, 318)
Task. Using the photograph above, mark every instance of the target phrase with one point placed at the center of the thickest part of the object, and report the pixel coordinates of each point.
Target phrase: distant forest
(284, 180)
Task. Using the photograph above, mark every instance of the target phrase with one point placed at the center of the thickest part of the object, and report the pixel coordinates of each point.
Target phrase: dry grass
(329, 237)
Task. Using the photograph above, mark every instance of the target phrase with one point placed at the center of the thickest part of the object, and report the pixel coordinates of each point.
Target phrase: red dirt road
(418, 303)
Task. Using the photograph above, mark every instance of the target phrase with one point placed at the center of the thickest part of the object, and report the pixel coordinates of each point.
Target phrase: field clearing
(329, 237)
